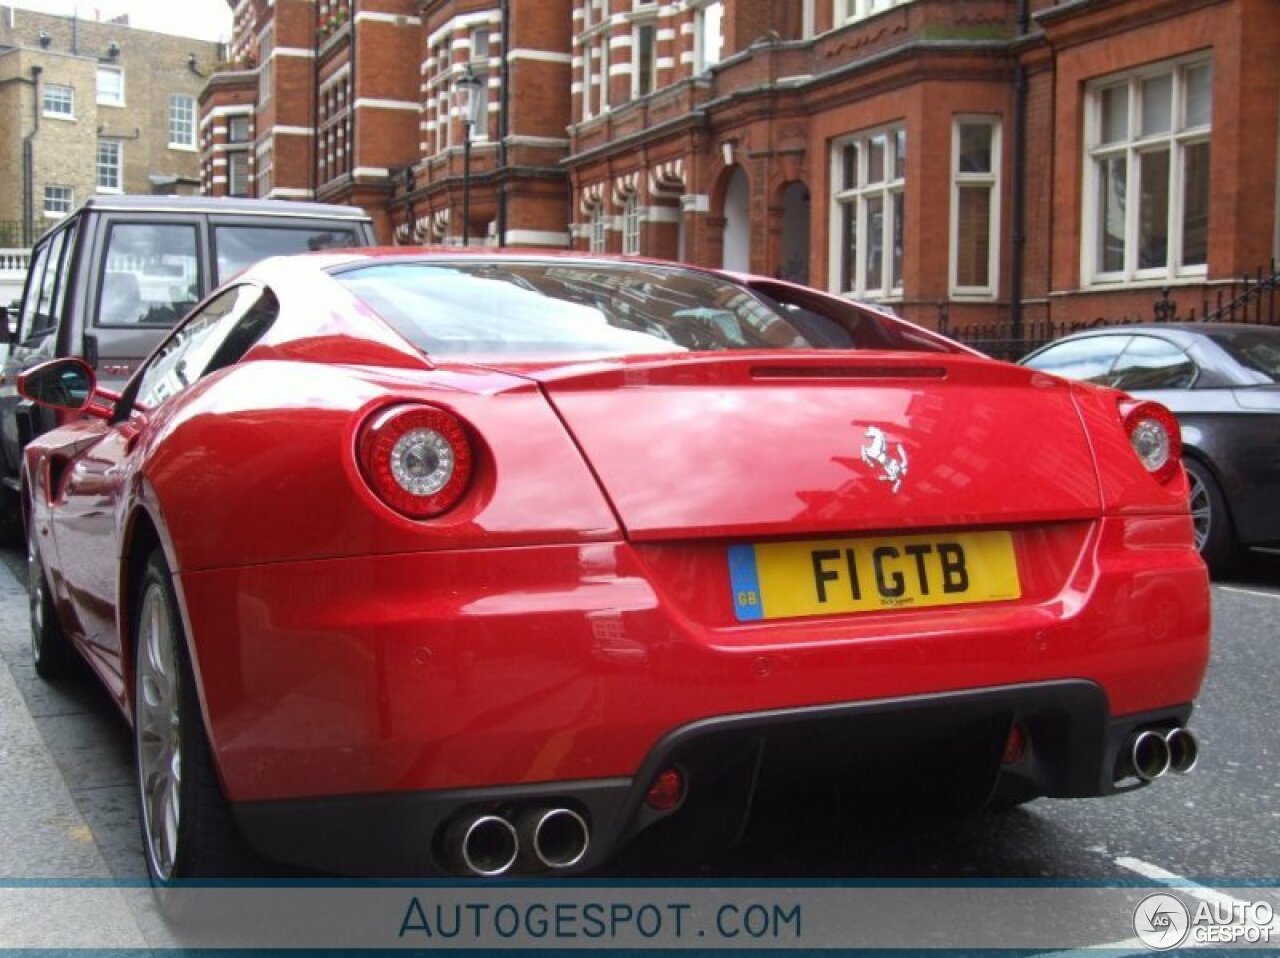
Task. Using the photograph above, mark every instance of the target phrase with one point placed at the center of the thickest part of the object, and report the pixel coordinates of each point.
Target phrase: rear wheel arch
(146, 536)
(142, 539)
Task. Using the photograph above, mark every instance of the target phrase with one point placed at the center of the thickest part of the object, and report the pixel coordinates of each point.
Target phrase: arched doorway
(737, 225)
(794, 259)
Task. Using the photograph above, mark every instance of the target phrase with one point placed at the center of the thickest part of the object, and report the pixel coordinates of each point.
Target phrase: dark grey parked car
(1222, 381)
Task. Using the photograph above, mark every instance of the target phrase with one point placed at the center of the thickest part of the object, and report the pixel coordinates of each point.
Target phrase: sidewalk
(48, 852)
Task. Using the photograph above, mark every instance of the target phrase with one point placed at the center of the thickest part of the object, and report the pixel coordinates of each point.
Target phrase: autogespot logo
(1161, 921)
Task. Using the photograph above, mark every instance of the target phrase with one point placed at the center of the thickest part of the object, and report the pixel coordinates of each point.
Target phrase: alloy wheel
(158, 731)
(1201, 510)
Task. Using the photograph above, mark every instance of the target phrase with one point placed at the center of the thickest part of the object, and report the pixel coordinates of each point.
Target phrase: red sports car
(409, 563)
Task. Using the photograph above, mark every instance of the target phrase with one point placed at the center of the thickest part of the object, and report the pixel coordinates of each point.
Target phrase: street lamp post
(470, 102)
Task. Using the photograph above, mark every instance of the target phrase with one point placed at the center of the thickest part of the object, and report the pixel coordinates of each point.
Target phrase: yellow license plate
(775, 580)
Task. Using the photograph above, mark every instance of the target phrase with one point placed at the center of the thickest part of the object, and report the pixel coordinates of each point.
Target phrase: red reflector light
(1155, 435)
(1015, 748)
(416, 458)
(667, 791)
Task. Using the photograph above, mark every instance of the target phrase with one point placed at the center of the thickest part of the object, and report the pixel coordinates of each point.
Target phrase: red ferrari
(411, 563)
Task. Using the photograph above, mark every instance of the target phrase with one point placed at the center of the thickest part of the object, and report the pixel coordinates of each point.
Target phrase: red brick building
(996, 161)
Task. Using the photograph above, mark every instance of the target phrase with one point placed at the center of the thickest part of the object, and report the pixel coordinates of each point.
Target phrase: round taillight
(416, 458)
(1155, 436)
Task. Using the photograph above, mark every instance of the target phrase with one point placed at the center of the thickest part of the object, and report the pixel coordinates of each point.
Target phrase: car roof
(339, 259)
(1182, 334)
(144, 203)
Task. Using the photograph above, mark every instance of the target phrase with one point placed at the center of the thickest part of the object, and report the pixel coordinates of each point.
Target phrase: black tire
(187, 828)
(10, 519)
(1215, 534)
(51, 650)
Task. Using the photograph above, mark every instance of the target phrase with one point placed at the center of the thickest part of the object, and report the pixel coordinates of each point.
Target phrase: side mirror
(8, 333)
(59, 384)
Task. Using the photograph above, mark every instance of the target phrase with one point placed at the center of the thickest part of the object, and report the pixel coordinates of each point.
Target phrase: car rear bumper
(511, 668)
(1074, 749)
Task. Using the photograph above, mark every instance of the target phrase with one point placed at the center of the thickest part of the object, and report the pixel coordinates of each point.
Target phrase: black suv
(110, 280)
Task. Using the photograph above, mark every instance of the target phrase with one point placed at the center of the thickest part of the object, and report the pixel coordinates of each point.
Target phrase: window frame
(176, 99)
(197, 258)
(853, 11)
(248, 128)
(106, 69)
(991, 180)
(104, 141)
(241, 155)
(266, 71)
(597, 229)
(701, 62)
(891, 288)
(70, 201)
(632, 218)
(594, 40)
(640, 76)
(1178, 139)
(69, 113)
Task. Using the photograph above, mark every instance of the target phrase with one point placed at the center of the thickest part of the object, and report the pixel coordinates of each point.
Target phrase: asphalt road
(1214, 825)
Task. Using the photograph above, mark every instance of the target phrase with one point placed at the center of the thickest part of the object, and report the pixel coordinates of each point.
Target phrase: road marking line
(1156, 873)
(1243, 591)
(1134, 946)
(1188, 887)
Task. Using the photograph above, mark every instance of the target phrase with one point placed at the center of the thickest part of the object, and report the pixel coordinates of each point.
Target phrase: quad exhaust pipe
(558, 837)
(491, 845)
(1151, 753)
(1184, 749)
(487, 846)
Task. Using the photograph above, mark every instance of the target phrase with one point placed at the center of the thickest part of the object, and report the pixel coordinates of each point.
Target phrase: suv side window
(28, 324)
(151, 275)
(65, 276)
(238, 247)
(46, 290)
(1089, 359)
(217, 336)
(1151, 363)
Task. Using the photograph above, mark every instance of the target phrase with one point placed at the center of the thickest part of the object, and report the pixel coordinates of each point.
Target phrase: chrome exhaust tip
(559, 837)
(488, 846)
(1149, 755)
(1184, 749)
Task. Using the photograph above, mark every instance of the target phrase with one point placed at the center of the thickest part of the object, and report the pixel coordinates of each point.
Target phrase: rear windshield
(505, 308)
(239, 247)
(1257, 350)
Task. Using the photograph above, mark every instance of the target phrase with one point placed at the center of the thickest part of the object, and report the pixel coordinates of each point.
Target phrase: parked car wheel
(1215, 536)
(51, 652)
(187, 829)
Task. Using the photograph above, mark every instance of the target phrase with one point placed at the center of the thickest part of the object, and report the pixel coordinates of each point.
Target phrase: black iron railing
(1249, 299)
(995, 340)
